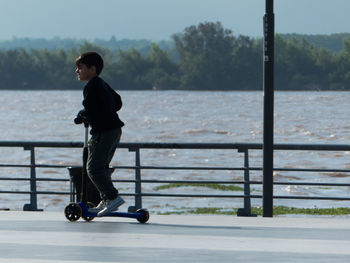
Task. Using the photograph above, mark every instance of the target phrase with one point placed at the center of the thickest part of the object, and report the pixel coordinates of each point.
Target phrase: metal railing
(138, 194)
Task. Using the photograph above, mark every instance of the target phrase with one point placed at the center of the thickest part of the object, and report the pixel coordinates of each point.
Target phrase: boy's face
(84, 73)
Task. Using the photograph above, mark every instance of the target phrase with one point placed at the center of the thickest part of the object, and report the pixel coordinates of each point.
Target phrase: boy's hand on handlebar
(81, 118)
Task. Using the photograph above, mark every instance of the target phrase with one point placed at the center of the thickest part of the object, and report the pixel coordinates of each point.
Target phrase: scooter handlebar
(81, 118)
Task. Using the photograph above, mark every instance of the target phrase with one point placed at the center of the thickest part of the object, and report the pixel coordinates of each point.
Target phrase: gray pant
(102, 146)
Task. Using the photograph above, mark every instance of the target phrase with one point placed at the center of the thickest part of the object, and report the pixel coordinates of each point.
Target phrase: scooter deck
(76, 210)
(86, 213)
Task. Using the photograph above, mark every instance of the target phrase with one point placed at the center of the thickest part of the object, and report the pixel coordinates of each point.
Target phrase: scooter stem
(84, 171)
(86, 125)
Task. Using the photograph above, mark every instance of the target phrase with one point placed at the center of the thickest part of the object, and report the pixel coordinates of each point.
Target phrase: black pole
(269, 33)
(84, 175)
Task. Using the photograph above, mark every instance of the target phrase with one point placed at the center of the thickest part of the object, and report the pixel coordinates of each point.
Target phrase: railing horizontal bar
(124, 180)
(190, 182)
(310, 184)
(231, 168)
(179, 168)
(312, 170)
(184, 168)
(37, 179)
(242, 196)
(190, 168)
(42, 144)
(141, 145)
(132, 194)
(300, 169)
(293, 183)
(191, 195)
(37, 192)
(240, 169)
(36, 166)
(199, 195)
(129, 167)
(183, 181)
(313, 198)
(242, 182)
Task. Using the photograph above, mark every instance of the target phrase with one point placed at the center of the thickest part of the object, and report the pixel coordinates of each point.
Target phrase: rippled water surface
(179, 116)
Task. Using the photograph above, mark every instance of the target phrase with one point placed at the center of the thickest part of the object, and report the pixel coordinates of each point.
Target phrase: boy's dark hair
(91, 59)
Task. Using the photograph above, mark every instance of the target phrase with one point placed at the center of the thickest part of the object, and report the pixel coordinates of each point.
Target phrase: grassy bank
(221, 187)
(278, 210)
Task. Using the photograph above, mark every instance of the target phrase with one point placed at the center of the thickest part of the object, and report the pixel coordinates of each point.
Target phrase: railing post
(268, 130)
(138, 188)
(33, 196)
(246, 211)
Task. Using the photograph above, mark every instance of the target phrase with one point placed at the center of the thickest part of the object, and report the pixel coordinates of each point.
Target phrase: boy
(101, 104)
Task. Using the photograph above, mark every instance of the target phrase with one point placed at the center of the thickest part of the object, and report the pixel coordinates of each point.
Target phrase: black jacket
(101, 104)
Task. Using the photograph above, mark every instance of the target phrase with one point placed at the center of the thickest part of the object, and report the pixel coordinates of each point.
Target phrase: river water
(183, 116)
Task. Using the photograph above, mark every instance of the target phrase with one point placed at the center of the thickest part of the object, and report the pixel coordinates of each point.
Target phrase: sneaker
(97, 208)
(111, 205)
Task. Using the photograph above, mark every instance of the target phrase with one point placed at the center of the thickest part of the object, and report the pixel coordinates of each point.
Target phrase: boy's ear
(93, 69)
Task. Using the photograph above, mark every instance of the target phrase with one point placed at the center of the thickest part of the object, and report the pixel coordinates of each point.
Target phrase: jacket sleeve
(90, 102)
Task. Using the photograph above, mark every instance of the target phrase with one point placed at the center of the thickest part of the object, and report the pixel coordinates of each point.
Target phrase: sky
(160, 19)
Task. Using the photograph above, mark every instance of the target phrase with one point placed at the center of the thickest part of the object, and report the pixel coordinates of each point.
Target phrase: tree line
(333, 42)
(204, 57)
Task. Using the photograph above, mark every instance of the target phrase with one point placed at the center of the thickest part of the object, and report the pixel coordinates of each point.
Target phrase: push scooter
(74, 211)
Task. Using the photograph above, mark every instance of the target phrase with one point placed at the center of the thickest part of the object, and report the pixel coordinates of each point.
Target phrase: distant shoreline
(187, 62)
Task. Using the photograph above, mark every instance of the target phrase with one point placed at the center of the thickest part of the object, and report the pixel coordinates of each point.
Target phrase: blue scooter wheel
(73, 212)
(144, 215)
(88, 218)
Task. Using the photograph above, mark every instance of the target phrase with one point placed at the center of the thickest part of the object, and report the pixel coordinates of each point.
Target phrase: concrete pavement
(49, 237)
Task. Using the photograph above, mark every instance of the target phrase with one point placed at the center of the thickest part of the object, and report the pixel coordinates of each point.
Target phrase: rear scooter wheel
(73, 212)
(89, 218)
(144, 215)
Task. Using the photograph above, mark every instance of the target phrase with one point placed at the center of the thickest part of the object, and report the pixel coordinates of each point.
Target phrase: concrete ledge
(49, 237)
